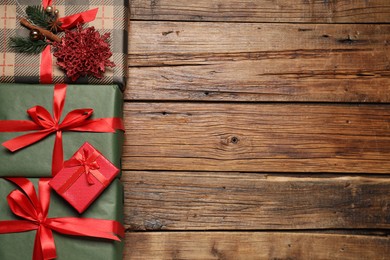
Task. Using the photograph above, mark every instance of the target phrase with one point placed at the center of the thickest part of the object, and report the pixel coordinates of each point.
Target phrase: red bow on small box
(86, 164)
(43, 124)
(34, 211)
(84, 177)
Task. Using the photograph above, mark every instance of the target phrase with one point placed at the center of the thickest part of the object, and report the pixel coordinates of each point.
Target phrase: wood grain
(249, 201)
(244, 172)
(313, 11)
(257, 137)
(254, 245)
(259, 62)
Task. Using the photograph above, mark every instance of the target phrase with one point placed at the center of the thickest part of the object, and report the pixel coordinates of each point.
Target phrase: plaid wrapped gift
(112, 17)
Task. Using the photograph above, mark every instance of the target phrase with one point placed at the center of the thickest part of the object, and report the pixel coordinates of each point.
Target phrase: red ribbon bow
(44, 124)
(34, 211)
(86, 162)
(87, 165)
(67, 22)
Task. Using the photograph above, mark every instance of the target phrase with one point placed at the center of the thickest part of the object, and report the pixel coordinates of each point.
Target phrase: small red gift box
(84, 177)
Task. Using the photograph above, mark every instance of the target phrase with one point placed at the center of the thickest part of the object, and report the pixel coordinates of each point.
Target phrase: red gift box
(84, 177)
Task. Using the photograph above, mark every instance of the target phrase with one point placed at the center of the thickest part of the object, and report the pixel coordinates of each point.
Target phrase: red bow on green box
(34, 211)
(42, 124)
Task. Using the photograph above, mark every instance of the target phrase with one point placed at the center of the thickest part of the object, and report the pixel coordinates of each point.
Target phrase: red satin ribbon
(71, 21)
(87, 165)
(67, 22)
(46, 73)
(34, 211)
(43, 124)
(47, 3)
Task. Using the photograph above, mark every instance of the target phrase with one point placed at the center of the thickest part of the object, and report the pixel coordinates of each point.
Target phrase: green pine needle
(38, 16)
(26, 45)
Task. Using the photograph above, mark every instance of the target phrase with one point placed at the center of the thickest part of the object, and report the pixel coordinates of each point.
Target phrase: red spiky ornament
(83, 52)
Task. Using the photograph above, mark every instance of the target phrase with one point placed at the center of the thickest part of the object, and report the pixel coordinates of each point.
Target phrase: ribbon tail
(38, 254)
(71, 21)
(16, 226)
(44, 246)
(22, 141)
(46, 73)
(18, 126)
(90, 179)
(48, 246)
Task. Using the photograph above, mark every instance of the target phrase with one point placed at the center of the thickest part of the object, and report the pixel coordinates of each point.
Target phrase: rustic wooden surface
(258, 130)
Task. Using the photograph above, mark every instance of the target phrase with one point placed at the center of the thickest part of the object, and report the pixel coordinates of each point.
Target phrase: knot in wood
(234, 140)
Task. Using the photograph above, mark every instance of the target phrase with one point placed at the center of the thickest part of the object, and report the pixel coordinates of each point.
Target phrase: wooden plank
(257, 137)
(259, 62)
(172, 39)
(313, 11)
(244, 201)
(254, 245)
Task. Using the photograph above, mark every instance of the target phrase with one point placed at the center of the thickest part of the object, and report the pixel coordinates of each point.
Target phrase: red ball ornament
(83, 52)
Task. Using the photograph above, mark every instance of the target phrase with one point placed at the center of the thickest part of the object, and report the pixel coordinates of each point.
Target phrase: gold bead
(56, 12)
(49, 9)
(35, 35)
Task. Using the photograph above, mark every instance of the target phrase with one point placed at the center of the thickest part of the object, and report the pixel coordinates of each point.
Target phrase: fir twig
(25, 45)
(39, 16)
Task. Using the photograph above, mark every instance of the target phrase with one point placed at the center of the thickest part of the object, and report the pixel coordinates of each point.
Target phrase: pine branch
(39, 16)
(25, 45)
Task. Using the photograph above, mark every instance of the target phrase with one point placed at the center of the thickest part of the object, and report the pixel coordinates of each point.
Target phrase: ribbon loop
(21, 206)
(41, 117)
(76, 118)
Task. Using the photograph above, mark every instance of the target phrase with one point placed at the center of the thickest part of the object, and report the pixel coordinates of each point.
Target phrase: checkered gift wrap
(112, 17)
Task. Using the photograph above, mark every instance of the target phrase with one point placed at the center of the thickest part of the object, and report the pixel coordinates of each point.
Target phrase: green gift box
(20, 246)
(35, 160)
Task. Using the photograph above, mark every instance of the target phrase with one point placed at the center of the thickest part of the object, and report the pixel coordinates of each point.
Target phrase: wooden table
(258, 130)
